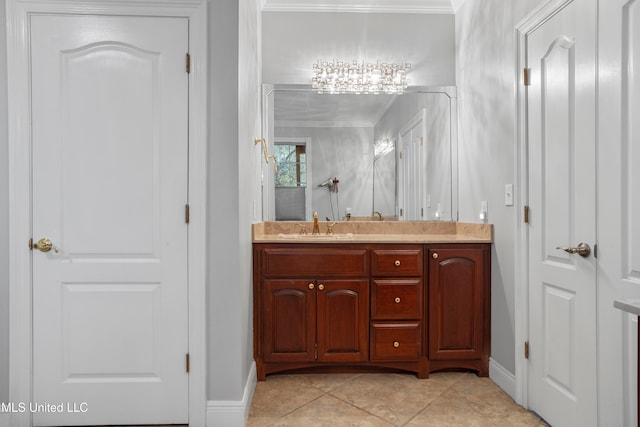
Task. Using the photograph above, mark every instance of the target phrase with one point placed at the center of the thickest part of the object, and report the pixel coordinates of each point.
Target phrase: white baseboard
(232, 413)
(503, 378)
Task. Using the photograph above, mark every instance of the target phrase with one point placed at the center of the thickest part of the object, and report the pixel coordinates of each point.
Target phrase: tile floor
(385, 400)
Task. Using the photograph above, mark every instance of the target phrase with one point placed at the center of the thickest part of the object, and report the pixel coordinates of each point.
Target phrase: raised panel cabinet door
(343, 320)
(456, 314)
(289, 320)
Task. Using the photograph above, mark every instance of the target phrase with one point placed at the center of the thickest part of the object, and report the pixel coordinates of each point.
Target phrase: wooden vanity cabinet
(358, 307)
(397, 324)
(459, 306)
(313, 306)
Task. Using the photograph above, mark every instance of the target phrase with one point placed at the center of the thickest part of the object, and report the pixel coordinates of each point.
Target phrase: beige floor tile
(385, 400)
(329, 411)
(395, 398)
(281, 394)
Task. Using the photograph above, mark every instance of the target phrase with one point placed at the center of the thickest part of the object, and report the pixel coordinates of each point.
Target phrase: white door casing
(109, 152)
(18, 14)
(561, 178)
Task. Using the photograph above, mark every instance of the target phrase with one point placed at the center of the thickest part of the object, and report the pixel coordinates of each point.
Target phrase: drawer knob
(321, 286)
(397, 263)
(397, 300)
(311, 286)
(435, 255)
(396, 344)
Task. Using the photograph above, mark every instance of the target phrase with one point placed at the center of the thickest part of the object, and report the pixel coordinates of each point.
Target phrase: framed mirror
(360, 157)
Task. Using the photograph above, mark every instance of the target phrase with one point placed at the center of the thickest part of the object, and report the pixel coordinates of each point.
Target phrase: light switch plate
(508, 195)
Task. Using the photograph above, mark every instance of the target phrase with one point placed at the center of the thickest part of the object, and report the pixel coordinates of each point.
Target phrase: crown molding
(362, 6)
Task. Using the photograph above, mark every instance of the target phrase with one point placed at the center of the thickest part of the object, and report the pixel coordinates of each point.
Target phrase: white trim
(18, 66)
(233, 413)
(391, 6)
(502, 377)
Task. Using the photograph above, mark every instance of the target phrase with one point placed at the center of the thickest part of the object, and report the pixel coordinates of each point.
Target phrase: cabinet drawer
(396, 341)
(396, 299)
(300, 261)
(397, 261)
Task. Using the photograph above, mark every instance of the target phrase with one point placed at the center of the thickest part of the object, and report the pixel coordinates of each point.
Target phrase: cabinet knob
(435, 255)
(397, 300)
(396, 344)
(311, 286)
(397, 263)
(321, 286)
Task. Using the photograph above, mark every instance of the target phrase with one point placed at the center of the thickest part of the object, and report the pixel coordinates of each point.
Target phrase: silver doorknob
(583, 249)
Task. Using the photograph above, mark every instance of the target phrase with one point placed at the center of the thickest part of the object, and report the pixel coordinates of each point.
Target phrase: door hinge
(526, 214)
(525, 76)
(186, 213)
(401, 155)
(316, 350)
(400, 211)
(31, 244)
(187, 363)
(188, 63)
(526, 349)
(421, 212)
(595, 250)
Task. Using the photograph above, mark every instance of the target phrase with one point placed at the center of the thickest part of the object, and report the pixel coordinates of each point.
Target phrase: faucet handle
(303, 229)
(330, 228)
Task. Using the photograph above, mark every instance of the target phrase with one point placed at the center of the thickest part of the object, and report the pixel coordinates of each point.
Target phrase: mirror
(353, 156)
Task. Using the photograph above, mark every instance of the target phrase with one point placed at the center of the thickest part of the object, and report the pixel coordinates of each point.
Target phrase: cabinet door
(456, 315)
(343, 320)
(289, 320)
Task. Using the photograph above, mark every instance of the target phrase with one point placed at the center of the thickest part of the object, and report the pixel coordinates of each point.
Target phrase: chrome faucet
(316, 228)
(379, 215)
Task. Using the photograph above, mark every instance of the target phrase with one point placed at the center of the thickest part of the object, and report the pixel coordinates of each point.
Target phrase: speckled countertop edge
(375, 232)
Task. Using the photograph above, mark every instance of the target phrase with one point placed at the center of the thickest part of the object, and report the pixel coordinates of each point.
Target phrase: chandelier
(359, 78)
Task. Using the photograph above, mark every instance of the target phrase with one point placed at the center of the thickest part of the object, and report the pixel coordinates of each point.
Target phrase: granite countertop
(630, 306)
(374, 232)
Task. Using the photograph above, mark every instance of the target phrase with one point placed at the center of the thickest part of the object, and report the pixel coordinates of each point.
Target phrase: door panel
(109, 135)
(343, 315)
(561, 143)
(289, 320)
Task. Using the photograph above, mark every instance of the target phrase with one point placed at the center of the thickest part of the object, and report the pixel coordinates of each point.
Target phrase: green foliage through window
(291, 160)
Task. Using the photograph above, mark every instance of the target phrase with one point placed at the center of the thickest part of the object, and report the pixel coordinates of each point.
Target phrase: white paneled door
(412, 164)
(562, 182)
(110, 145)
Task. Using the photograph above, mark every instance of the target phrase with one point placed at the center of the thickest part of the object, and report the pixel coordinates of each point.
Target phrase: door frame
(523, 29)
(20, 177)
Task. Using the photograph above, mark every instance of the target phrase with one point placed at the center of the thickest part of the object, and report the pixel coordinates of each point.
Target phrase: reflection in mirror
(395, 155)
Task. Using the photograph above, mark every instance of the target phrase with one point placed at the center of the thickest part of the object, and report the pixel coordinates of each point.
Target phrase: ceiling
(386, 6)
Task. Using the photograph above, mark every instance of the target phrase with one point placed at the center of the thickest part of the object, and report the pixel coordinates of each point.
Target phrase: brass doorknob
(397, 300)
(396, 344)
(397, 263)
(44, 245)
(321, 286)
(435, 255)
(311, 286)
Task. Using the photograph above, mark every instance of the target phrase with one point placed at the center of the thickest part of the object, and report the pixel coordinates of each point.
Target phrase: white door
(562, 182)
(109, 135)
(412, 165)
